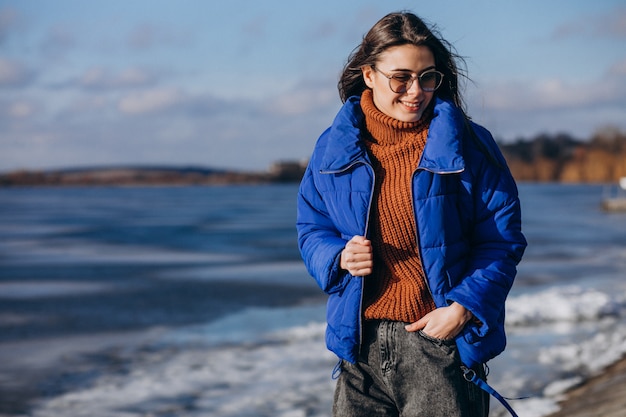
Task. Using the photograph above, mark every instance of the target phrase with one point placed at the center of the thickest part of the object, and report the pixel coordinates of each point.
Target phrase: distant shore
(183, 176)
(151, 175)
(545, 158)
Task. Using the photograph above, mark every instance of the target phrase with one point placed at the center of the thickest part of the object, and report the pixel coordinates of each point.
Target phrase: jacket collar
(442, 153)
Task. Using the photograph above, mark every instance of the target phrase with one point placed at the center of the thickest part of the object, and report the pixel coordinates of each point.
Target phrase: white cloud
(13, 74)
(618, 69)
(93, 76)
(13, 110)
(147, 36)
(558, 94)
(234, 100)
(522, 108)
(8, 18)
(58, 41)
(149, 101)
(608, 25)
(21, 109)
(101, 78)
(133, 76)
(89, 103)
(302, 101)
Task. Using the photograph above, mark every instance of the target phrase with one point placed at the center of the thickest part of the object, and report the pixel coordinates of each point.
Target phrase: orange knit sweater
(396, 289)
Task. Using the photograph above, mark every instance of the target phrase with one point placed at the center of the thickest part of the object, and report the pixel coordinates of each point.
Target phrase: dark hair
(395, 29)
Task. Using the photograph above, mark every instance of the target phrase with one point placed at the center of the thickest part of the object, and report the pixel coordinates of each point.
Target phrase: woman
(409, 219)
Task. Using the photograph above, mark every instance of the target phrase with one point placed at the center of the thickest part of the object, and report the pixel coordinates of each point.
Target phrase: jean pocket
(439, 342)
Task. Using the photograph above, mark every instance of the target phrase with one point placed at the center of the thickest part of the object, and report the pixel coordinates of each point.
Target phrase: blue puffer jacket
(467, 215)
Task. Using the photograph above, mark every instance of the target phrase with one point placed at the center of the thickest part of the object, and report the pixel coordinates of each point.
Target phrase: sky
(241, 84)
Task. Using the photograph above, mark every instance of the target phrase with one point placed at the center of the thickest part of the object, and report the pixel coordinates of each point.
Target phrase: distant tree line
(544, 158)
(563, 158)
(279, 172)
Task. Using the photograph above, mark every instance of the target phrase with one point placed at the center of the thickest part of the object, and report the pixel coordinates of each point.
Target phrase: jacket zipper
(365, 233)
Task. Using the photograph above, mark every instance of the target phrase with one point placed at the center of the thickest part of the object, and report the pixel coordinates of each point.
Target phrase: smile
(411, 105)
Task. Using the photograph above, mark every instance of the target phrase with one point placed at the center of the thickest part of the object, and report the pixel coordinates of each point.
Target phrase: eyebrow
(420, 72)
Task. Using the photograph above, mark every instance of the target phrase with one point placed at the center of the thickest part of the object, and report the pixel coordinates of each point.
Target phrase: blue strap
(336, 370)
(470, 375)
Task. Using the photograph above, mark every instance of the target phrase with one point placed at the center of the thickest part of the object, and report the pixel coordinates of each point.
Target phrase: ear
(368, 75)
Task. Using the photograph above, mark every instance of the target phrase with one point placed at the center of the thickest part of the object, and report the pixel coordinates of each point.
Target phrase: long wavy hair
(402, 28)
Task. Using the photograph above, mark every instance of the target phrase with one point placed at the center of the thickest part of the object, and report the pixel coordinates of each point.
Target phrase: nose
(414, 88)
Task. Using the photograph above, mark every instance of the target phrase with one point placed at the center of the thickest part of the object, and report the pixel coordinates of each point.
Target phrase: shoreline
(51, 346)
(51, 366)
(603, 395)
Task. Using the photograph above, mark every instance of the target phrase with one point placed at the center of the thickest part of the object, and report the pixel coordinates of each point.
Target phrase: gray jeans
(404, 374)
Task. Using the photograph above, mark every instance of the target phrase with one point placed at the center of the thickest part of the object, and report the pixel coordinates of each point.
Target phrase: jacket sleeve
(496, 240)
(319, 241)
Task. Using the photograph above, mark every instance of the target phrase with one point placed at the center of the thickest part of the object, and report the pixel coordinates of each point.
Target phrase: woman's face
(404, 59)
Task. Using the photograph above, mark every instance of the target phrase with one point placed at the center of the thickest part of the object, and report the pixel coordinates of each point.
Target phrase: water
(193, 301)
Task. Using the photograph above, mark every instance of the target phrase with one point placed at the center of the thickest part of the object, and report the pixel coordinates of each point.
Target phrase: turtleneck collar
(384, 129)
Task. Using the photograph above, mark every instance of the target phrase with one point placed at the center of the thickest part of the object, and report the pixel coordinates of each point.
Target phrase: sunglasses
(429, 80)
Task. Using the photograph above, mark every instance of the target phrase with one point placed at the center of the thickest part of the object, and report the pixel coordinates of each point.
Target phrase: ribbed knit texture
(397, 288)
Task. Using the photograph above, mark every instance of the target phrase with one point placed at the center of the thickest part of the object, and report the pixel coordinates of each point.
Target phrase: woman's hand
(357, 257)
(444, 322)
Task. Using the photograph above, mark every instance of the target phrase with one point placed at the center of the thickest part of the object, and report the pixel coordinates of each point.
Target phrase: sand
(601, 396)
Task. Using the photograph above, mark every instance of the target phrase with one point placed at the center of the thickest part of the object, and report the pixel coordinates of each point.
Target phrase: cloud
(256, 27)
(556, 94)
(100, 78)
(150, 101)
(609, 25)
(57, 42)
(514, 109)
(8, 17)
(618, 69)
(16, 109)
(13, 74)
(21, 109)
(147, 36)
(167, 125)
(304, 98)
(322, 31)
(88, 103)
